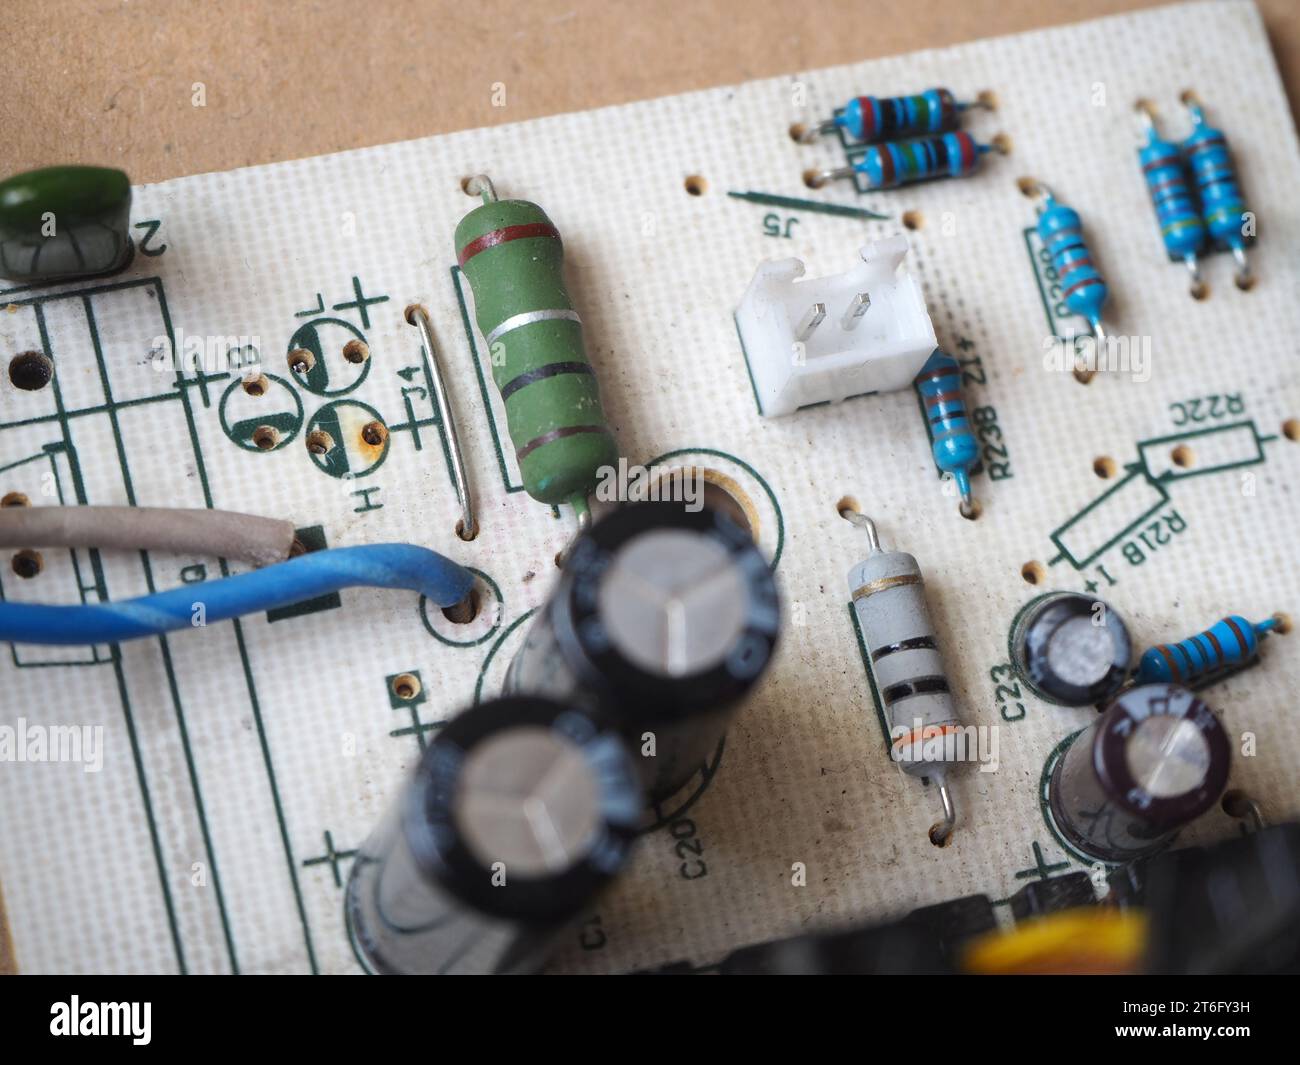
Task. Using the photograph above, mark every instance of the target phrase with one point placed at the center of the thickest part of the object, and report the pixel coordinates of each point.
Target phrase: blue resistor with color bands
(873, 119)
(1061, 231)
(956, 451)
(886, 166)
(1233, 641)
(1180, 223)
(1222, 205)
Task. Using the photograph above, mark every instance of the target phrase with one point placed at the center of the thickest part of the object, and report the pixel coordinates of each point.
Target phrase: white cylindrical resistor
(889, 600)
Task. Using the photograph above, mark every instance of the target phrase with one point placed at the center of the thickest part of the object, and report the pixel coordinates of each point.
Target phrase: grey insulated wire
(216, 533)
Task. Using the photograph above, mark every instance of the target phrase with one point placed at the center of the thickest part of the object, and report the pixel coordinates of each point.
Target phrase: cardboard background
(111, 81)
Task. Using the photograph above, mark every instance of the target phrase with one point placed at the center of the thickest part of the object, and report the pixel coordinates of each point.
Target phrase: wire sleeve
(218, 533)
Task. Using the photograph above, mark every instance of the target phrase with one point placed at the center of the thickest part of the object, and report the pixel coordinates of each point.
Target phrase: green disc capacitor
(65, 222)
(512, 256)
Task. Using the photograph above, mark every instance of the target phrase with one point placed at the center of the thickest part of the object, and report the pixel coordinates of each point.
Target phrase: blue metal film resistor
(1061, 231)
(1222, 205)
(956, 451)
(1234, 641)
(873, 119)
(886, 166)
(1165, 171)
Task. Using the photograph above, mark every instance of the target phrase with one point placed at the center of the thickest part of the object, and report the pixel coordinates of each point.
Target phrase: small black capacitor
(1071, 649)
(1067, 891)
(666, 617)
(955, 922)
(1155, 760)
(519, 813)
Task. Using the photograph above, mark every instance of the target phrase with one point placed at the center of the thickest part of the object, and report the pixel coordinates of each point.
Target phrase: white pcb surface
(242, 764)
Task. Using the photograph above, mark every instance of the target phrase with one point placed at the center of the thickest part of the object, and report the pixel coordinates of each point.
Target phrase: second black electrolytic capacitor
(664, 616)
(520, 812)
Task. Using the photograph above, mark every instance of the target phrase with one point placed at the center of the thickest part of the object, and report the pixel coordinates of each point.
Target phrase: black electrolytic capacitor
(664, 616)
(1156, 760)
(520, 811)
(1071, 648)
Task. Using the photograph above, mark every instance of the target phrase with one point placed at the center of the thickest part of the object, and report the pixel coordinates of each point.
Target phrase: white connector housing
(804, 344)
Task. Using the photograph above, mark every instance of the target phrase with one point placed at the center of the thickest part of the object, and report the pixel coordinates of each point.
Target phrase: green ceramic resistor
(65, 222)
(512, 256)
